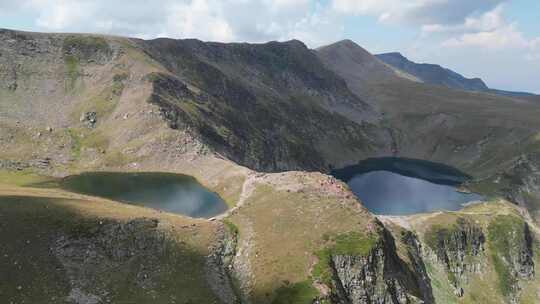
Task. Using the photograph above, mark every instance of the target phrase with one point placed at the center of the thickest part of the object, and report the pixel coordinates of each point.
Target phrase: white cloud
(416, 12)
(487, 21)
(219, 20)
(465, 30)
(503, 37)
(489, 31)
(199, 19)
(61, 14)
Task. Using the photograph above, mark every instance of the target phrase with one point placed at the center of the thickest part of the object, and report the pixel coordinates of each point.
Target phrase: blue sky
(497, 40)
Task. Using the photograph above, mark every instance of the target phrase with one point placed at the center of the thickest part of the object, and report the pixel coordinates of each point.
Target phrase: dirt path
(247, 190)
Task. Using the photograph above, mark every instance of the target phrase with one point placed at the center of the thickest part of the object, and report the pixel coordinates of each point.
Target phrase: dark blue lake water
(168, 192)
(396, 186)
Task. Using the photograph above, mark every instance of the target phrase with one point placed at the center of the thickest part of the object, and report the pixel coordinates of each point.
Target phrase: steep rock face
(416, 264)
(276, 69)
(459, 248)
(219, 266)
(270, 107)
(488, 244)
(380, 277)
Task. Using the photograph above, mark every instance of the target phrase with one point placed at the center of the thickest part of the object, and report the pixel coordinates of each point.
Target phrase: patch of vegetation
(81, 48)
(118, 84)
(231, 227)
(71, 71)
(23, 178)
(349, 244)
(75, 143)
(104, 102)
(437, 234)
(297, 293)
(81, 41)
(321, 270)
(95, 140)
(354, 243)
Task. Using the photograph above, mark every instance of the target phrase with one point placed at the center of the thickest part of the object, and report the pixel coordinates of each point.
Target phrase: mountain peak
(295, 43)
(347, 42)
(396, 55)
(433, 73)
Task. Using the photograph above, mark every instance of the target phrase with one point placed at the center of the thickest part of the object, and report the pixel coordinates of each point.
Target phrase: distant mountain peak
(347, 42)
(438, 75)
(395, 55)
(433, 73)
(296, 43)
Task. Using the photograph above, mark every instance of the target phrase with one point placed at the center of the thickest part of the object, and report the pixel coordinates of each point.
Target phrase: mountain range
(261, 125)
(436, 74)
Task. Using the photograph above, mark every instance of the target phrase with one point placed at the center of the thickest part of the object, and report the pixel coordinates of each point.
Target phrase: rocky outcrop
(464, 249)
(414, 248)
(459, 248)
(379, 277)
(309, 136)
(219, 269)
(524, 263)
(89, 49)
(89, 119)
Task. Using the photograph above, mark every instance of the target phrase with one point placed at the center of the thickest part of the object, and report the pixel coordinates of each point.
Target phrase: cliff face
(460, 249)
(219, 269)
(263, 136)
(482, 245)
(379, 275)
(270, 107)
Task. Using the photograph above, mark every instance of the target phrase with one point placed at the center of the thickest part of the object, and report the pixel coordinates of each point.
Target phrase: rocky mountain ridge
(438, 75)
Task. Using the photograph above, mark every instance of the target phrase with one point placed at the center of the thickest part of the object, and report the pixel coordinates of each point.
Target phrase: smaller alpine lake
(400, 186)
(173, 193)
